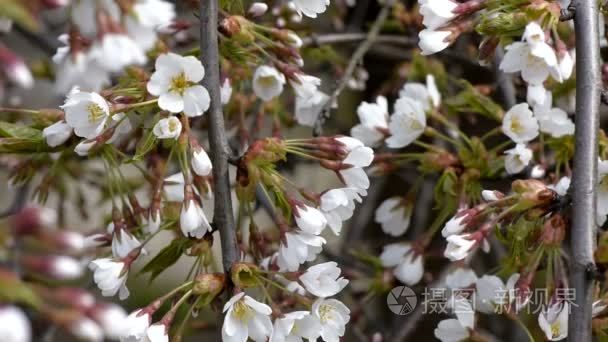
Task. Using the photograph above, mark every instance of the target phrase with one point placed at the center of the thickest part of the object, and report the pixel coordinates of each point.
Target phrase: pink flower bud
(15, 68)
(52, 4)
(56, 267)
(32, 220)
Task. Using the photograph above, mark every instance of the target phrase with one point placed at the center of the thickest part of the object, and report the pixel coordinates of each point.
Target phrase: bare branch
(584, 180)
(220, 152)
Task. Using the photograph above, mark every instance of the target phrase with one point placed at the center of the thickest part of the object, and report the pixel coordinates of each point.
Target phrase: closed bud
(208, 286)
(257, 9)
(55, 267)
(554, 231)
(532, 193)
(502, 23)
(33, 220)
(238, 28)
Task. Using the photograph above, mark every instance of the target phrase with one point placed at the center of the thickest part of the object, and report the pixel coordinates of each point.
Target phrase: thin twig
(223, 214)
(340, 38)
(352, 65)
(584, 176)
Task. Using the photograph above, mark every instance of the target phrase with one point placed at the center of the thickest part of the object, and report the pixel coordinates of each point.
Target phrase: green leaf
(166, 258)
(16, 10)
(472, 101)
(19, 145)
(145, 145)
(11, 130)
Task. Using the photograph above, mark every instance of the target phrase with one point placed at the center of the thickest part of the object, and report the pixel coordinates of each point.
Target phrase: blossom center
(242, 312)
(179, 84)
(516, 126)
(267, 81)
(325, 313)
(172, 125)
(415, 125)
(555, 329)
(95, 112)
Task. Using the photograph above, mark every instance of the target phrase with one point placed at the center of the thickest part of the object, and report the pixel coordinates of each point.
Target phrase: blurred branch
(220, 152)
(352, 65)
(504, 81)
(338, 38)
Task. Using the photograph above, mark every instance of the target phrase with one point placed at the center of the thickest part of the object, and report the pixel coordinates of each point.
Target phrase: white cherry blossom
(338, 205)
(554, 121)
(157, 333)
(394, 215)
(116, 51)
(451, 330)
(123, 243)
(301, 247)
(175, 82)
(427, 94)
(309, 219)
(15, 325)
(407, 123)
(333, 316)
(246, 317)
(437, 13)
(86, 113)
(201, 164)
(110, 276)
(517, 159)
(459, 246)
(533, 57)
(431, 41)
(296, 326)
(135, 326)
(374, 122)
(310, 8)
(193, 221)
(268, 82)
(323, 280)
(492, 293)
(168, 128)
(519, 124)
(409, 267)
(553, 321)
(57, 133)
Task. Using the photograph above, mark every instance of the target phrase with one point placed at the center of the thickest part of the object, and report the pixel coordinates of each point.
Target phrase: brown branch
(220, 152)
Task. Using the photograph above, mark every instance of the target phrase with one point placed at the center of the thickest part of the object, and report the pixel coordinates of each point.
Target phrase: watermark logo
(401, 300)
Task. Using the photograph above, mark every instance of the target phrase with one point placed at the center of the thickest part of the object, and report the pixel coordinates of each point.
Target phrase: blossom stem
(133, 106)
(19, 111)
(523, 326)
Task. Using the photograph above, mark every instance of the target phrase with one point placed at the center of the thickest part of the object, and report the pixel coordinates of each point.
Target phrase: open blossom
(295, 326)
(459, 246)
(110, 276)
(309, 99)
(461, 278)
(562, 186)
(454, 226)
(310, 8)
(493, 293)
(268, 82)
(301, 247)
(157, 333)
(339, 205)
(77, 68)
(168, 128)
(428, 95)
(135, 326)
(123, 243)
(309, 219)
(333, 316)
(358, 157)
(553, 321)
(84, 13)
(452, 330)
(110, 318)
(394, 215)
(246, 317)
(116, 51)
(407, 123)
(148, 16)
(517, 158)
(437, 13)
(175, 82)
(86, 113)
(374, 122)
(533, 57)
(15, 325)
(193, 221)
(554, 121)
(323, 280)
(519, 124)
(57, 133)
(431, 41)
(409, 266)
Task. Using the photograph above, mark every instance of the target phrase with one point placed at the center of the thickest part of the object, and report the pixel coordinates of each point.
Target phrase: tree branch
(584, 180)
(220, 152)
(352, 65)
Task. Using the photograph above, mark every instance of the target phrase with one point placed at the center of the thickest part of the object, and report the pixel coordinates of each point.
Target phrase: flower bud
(56, 267)
(238, 28)
(208, 286)
(15, 69)
(257, 9)
(110, 318)
(33, 220)
(532, 193)
(52, 4)
(554, 231)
